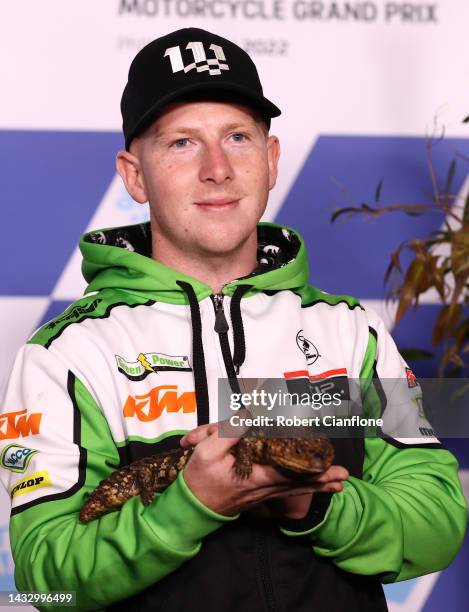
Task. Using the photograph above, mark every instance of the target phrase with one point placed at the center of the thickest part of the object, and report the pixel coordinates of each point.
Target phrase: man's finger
(227, 431)
(193, 437)
(335, 472)
(209, 434)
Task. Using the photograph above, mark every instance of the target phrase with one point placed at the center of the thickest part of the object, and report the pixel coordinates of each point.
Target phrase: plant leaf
(460, 252)
(465, 216)
(341, 211)
(450, 177)
(447, 320)
(408, 290)
(393, 263)
(378, 191)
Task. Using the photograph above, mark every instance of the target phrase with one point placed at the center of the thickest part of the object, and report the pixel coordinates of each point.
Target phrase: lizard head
(301, 455)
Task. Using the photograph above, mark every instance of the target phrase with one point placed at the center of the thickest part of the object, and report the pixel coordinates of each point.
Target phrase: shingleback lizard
(294, 456)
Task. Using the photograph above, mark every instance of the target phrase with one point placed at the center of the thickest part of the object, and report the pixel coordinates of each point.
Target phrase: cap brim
(217, 91)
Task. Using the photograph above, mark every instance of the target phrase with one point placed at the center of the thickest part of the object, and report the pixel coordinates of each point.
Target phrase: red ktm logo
(16, 424)
(150, 406)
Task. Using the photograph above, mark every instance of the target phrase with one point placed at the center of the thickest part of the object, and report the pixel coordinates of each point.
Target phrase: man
(201, 293)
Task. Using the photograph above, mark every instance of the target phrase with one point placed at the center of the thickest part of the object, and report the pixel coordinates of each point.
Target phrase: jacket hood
(120, 258)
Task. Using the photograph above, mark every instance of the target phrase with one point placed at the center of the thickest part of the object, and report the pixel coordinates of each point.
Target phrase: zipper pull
(221, 324)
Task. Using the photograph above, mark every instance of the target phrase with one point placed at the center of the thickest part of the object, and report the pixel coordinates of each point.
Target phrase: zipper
(222, 327)
(265, 573)
(221, 324)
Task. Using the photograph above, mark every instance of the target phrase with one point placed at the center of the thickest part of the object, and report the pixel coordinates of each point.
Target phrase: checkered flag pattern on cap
(201, 63)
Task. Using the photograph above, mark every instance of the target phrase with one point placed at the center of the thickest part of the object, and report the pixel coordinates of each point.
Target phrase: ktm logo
(18, 424)
(150, 406)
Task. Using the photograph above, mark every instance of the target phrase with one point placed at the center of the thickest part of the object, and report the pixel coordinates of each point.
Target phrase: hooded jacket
(125, 371)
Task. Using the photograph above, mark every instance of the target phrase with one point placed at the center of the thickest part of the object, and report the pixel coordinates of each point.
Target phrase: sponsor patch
(147, 363)
(150, 406)
(31, 483)
(411, 378)
(307, 348)
(18, 424)
(16, 458)
(75, 313)
(324, 382)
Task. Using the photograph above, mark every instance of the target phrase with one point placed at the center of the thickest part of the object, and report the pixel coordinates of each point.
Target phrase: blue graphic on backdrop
(51, 184)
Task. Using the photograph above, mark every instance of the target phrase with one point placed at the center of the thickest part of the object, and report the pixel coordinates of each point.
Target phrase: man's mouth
(218, 203)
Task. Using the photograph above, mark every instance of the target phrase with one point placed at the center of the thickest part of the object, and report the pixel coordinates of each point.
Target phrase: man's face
(206, 169)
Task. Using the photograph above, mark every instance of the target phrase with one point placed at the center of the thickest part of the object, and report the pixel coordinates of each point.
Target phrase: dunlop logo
(31, 483)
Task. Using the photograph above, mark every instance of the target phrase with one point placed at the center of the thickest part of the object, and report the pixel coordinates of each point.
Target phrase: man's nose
(215, 164)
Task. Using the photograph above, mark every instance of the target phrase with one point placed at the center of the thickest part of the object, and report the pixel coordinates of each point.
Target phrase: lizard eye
(297, 451)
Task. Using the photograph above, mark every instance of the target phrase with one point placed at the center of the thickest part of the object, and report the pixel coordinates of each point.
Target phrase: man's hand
(209, 476)
(296, 506)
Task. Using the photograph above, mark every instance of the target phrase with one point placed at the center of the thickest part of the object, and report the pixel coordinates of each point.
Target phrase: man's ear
(129, 168)
(273, 154)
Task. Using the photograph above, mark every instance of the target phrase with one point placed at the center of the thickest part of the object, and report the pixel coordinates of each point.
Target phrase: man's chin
(224, 238)
(219, 249)
(223, 245)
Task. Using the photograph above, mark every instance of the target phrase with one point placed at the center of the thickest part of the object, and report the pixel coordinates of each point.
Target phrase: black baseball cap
(187, 64)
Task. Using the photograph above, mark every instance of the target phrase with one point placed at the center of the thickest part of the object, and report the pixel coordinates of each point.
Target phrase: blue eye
(180, 143)
(238, 137)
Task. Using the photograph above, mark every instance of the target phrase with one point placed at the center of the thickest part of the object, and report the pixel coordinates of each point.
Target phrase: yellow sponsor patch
(31, 483)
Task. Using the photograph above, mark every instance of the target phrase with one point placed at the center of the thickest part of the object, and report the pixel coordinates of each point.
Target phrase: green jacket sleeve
(406, 518)
(72, 449)
(407, 515)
